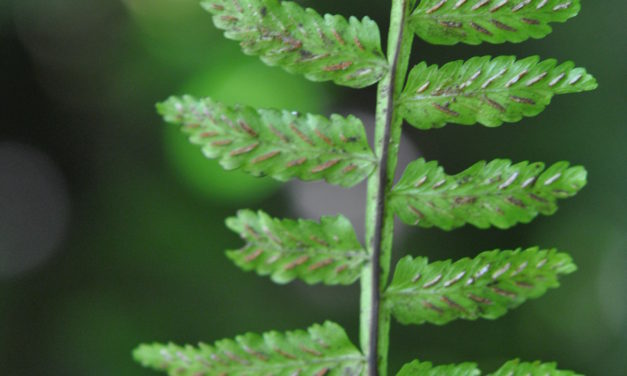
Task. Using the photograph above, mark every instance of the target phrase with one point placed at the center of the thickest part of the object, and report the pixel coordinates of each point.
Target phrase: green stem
(375, 317)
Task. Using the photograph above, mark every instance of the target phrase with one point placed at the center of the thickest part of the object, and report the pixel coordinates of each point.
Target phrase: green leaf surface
(327, 251)
(417, 368)
(518, 368)
(511, 368)
(329, 48)
(484, 287)
(498, 193)
(493, 21)
(487, 91)
(277, 143)
(321, 350)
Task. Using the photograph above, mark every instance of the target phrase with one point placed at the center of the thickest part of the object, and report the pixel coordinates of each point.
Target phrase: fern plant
(285, 145)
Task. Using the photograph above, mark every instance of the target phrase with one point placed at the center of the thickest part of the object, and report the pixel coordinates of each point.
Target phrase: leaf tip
(146, 354)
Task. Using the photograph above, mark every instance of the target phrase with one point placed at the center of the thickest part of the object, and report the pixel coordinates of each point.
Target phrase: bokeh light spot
(35, 208)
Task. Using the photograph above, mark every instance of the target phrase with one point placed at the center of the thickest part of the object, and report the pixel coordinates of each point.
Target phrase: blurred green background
(112, 227)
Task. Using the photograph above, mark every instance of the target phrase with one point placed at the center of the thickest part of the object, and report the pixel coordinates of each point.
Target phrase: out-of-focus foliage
(79, 82)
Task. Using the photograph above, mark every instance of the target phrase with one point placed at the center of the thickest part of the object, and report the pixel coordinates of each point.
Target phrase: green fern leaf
(511, 368)
(322, 350)
(487, 91)
(277, 143)
(493, 21)
(327, 251)
(299, 40)
(484, 287)
(417, 368)
(518, 368)
(498, 193)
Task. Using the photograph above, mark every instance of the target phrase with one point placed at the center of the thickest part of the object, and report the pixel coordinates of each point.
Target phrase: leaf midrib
(359, 254)
(463, 13)
(469, 94)
(289, 364)
(442, 290)
(472, 193)
(294, 149)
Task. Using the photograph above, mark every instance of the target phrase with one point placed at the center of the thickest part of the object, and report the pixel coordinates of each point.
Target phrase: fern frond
(417, 368)
(277, 143)
(474, 21)
(299, 40)
(327, 251)
(484, 287)
(322, 350)
(518, 368)
(498, 193)
(511, 368)
(488, 91)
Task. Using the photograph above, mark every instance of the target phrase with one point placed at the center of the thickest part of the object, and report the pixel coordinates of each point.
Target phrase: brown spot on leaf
(433, 307)
(479, 299)
(209, 134)
(530, 21)
(278, 133)
(517, 202)
(229, 18)
(221, 142)
(481, 29)
(336, 67)
(265, 157)
(505, 293)
(503, 26)
(324, 138)
(417, 212)
(320, 264)
(463, 200)
(349, 168)
(285, 354)
(309, 350)
(243, 150)
(301, 135)
(451, 24)
(299, 261)
(452, 304)
(322, 372)
(538, 198)
(358, 43)
(325, 166)
(253, 256)
(247, 128)
(297, 162)
(445, 110)
(495, 104)
(522, 100)
(341, 268)
(256, 354)
(338, 37)
(316, 239)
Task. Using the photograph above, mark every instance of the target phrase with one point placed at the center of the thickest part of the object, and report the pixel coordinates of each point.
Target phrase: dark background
(111, 226)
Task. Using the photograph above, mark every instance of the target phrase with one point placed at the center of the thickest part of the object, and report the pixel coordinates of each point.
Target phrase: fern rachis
(286, 145)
